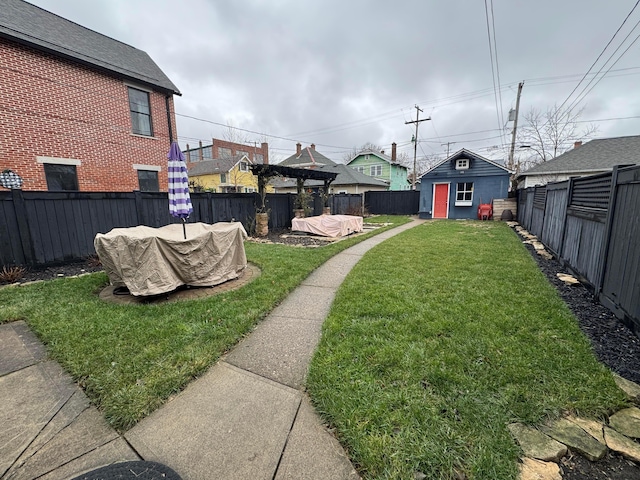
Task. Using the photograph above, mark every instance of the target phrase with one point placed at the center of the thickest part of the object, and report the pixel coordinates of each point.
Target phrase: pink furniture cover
(328, 225)
(151, 261)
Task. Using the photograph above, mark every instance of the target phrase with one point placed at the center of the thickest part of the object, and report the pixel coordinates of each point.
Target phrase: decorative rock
(627, 386)
(536, 444)
(537, 245)
(531, 469)
(568, 279)
(592, 427)
(621, 444)
(544, 254)
(627, 422)
(576, 439)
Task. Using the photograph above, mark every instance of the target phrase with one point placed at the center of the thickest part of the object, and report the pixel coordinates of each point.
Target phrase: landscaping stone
(531, 469)
(627, 422)
(621, 444)
(592, 427)
(575, 438)
(632, 389)
(536, 444)
(569, 280)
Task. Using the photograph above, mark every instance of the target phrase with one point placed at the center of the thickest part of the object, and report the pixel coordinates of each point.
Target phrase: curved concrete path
(247, 417)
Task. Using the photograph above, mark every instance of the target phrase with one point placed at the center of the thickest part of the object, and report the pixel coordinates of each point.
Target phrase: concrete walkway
(247, 417)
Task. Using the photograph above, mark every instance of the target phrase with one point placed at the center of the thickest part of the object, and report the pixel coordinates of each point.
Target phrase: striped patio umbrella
(179, 199)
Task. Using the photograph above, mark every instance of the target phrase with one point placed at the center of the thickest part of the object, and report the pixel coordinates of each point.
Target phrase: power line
(493, 73)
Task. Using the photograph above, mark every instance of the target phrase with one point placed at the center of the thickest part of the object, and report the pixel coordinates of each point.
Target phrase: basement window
(464, 194)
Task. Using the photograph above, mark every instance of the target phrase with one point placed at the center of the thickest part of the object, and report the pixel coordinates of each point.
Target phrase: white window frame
(464, 202)
(244, 166)
(462, 164)
(249, 190)
(373, 169)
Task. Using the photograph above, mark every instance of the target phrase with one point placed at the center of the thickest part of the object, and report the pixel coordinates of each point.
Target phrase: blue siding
(489, 182)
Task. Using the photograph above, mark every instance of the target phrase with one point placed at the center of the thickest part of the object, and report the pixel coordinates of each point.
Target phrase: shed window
(140, 110)
(462, 164)
(464, 194)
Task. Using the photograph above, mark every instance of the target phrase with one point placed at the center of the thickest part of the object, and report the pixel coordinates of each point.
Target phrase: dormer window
(462, 164)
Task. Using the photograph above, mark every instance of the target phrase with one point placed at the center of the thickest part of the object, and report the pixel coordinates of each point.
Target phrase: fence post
(607, 231)
(564, 220)
(23, 226)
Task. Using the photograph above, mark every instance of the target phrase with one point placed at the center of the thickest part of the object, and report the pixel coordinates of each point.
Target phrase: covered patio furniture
(328, 225)
(152, 261)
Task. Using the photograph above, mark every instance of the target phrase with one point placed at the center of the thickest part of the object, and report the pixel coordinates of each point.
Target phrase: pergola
(264, 172)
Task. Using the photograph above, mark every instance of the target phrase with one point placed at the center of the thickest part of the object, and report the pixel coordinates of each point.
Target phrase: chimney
(313, 147)
(265, 152)
(200, 150)
(393, 152)
(577, 144)
(382, 152)
(298, 149)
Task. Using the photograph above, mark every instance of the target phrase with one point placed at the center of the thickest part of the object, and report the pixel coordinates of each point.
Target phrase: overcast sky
(340, 73)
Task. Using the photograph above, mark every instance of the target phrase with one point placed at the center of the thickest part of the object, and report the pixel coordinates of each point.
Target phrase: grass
(131, 358)
(421, 368)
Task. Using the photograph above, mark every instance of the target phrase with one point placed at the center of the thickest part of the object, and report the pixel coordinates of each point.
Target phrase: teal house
(382, 167)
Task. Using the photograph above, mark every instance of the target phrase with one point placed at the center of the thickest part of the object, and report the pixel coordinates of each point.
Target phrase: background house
(596, 156)
(223, 175)
(79, 110)
(456, 186)
(382, 167)
(348, 179)
(224, 150)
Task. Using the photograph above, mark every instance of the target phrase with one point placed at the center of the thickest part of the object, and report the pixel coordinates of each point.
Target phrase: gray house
(596, 156)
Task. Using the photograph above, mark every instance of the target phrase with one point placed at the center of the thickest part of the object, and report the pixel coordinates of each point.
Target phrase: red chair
(485, 211)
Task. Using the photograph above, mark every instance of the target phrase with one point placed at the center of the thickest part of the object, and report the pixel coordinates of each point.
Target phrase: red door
(441, 200)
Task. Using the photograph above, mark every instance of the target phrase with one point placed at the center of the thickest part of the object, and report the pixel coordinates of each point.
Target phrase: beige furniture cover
(151, 261)
(328, 225)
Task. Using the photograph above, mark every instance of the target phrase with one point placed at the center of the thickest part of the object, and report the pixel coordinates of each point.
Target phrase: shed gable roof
(594, 156)
(464, 153)
(37, 28)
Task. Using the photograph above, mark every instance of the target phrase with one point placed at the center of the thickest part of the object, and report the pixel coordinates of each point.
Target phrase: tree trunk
(262, 224)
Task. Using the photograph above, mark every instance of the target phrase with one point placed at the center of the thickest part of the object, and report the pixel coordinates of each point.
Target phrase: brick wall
(51, 107)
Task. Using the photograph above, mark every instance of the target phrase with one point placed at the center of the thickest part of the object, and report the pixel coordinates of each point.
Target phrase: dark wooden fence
(592, 224)
(405, 202)
(43, 228)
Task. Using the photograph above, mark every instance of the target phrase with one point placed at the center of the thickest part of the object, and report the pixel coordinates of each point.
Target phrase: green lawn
(440, 337)
(130, 359)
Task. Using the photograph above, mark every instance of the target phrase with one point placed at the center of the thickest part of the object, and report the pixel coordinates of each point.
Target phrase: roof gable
(307, 157)
(35, 27)
(463, 153)
(594, 156)
(216, 165)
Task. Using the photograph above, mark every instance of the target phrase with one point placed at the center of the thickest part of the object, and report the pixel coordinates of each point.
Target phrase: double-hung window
(244, 167)
(464, 194)
(376, 170)
(140, 110)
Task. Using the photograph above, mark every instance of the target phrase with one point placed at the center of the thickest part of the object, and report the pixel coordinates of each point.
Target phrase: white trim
(59, 161)
(433, 200)
(150, 168)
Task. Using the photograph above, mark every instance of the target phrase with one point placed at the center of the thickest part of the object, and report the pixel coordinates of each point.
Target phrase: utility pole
(447, 144)
(515, 127)
(415, 145)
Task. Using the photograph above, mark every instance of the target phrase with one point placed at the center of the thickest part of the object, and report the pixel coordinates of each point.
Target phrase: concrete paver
(228, 424)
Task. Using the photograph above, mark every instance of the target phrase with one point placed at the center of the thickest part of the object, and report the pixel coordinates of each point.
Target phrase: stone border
(248, 275)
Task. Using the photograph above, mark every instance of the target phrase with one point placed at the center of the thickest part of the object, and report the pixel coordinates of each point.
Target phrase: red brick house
(79, 110)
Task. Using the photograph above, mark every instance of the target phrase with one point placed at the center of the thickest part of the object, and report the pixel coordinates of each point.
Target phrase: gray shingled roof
(594, 156)
(346, 176)
(32, 26)
(380, 155)
(216, 165)
(306, 157)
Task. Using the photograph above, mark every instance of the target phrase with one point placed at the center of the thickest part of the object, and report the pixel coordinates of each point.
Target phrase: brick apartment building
(223, 150)
(79, 110)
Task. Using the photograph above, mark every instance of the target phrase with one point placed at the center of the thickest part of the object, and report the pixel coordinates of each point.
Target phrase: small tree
(551, 133)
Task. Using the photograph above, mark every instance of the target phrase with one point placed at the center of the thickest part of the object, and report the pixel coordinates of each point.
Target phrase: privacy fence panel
(621, 281)
(11, 252)
(347, 204)
(554, 216)
(406, 202)
(537, 212)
